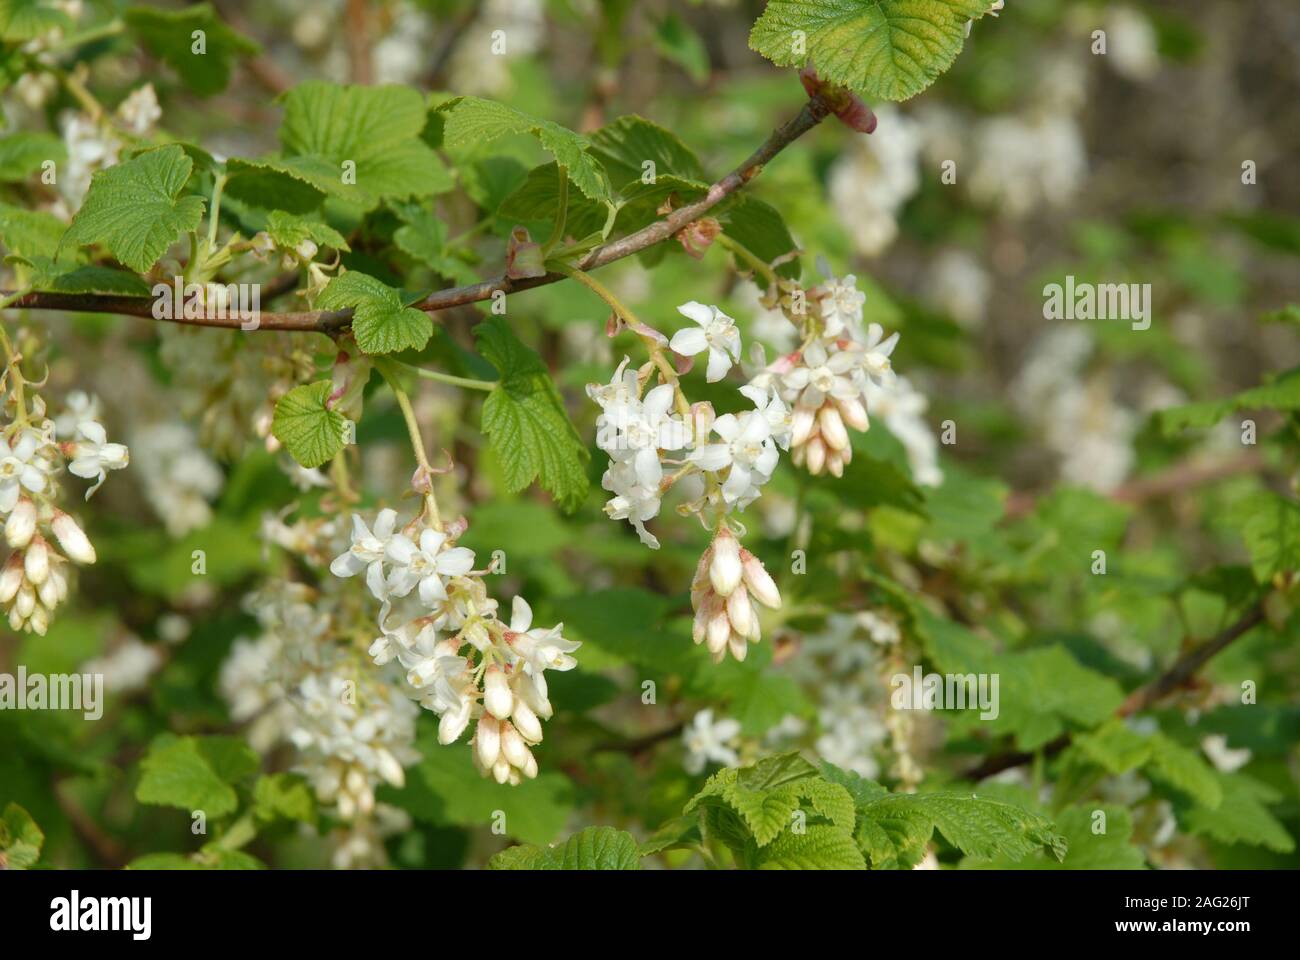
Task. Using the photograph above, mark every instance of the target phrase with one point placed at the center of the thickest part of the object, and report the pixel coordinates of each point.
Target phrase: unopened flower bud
(498, 699)
(36, 561)
(759, 581)
(513, 747)
(724, 568)
(832, 427)
(526, 722)
(25, 601)
(72, 539)
(11, 577)
(501, 770)
(389, 768)
(853, 413)
(816, 456)
(740, 612)
(801, 425)
(21, 523)
(487, 742)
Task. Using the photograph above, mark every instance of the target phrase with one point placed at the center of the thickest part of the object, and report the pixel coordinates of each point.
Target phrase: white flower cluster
(461, 662)
(728, 584)
(295, 683)
(827, 382)
(33, 581)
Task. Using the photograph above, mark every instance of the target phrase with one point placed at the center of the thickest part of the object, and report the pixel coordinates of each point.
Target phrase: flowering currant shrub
(548, 436)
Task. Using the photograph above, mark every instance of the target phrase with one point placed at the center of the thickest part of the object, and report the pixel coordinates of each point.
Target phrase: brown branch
(813, 112)
(1143, 697)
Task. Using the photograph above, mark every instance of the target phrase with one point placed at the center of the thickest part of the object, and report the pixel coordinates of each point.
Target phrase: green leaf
(777, 771)
(1281, 392)
(473, 120)
(30, 233)
(382, 322)
(311, 432)
(977, 826)
(1242, 816)
(288, 230)
(444, 788)
(284, 796)
(861, 790)
(1114, 747)
(194, 773)
(678, 42)
(625, 145)
(595, 848)
(525, 419)
(759, 226)
(887, 49)
(271, 185)
(21, 154)
(818, 847)
(28, 19)
(169, 35)
(135, 208)
(679, 832)
(1270, 525)
(1110, 850)
(330, 131)
(20, 839)
(64, 277)
(1183, 768)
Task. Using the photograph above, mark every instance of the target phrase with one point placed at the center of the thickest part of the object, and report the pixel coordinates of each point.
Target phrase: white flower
(93, 456)
(748, 449)
(709, 741)
(140, 111)
(645, 431)
(633, 501)
(619, 396)
(20, 467)
(541, 649)
(81, 407)
(367, 552)
(876, 351)
(425, 565)
(717, 334)
(842, 307)
(820, 375)
(774, 411)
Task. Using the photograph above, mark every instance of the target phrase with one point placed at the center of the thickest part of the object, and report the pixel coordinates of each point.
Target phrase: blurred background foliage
(1123, 167)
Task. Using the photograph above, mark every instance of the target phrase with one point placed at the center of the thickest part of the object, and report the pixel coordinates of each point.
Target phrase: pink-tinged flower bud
(501, 770)
(853, 413)
(719, 631)
(25, 602)
(36, 561)
(21, 524)
(526, 722)
(39, 621)
(16, 619)
(835, 463)
(11, 577)
(801, 425)
(740, 612)
(366, 800)
(71, 538)
(487, 742)
(497, 698)
(759, 582)
(816, 456)
(832, 427)
(513, 747)
(530, 768)
(724, 568)
(739, 646)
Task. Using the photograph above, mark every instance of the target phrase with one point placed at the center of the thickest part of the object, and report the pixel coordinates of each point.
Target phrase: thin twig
(1142, 698)
(813, 112)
